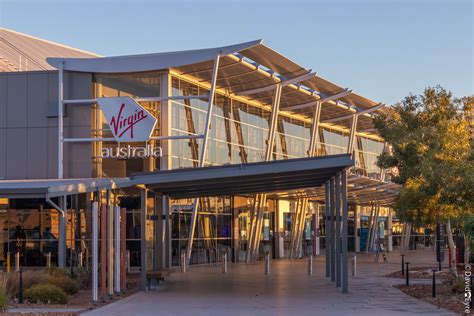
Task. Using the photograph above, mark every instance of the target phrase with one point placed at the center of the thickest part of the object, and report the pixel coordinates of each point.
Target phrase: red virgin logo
(120, 124)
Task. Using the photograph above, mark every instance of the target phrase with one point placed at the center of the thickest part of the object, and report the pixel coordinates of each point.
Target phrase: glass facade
(238, 134)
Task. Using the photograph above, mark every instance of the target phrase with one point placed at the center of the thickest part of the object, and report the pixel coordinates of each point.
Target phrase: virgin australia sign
(129, 122)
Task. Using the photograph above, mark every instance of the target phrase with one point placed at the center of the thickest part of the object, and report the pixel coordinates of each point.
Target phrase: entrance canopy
(272, 176)
(259, 177)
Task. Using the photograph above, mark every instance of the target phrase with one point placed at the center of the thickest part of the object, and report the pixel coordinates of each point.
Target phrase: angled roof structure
(249, 70)
(22, 52)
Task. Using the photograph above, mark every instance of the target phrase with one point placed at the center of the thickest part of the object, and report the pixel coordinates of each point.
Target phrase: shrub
(83, 278)
(4, 299)
(46, 293)
(65, 283)
(31, 278)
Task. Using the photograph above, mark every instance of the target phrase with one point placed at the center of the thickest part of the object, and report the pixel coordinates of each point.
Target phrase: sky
(383, 50)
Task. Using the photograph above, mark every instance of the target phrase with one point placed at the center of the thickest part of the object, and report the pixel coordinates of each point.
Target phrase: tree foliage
(431, 144)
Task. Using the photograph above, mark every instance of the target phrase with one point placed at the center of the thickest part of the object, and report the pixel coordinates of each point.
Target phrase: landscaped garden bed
(54, 289)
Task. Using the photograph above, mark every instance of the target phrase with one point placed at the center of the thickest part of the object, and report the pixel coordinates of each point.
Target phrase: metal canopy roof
(243, 67)
(361, 190)
(259, 177)
(40, 188)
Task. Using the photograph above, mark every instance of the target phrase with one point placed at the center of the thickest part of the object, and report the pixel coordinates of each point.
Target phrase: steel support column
(327, 241)
(62, 233)
(95, 251)
(338, 230)
(60, 119)
(143, 254)
(110, 243)
(350, 145)
(345, 244)
(256, 223)
(117, 249)
(202, 158)
(333, 229)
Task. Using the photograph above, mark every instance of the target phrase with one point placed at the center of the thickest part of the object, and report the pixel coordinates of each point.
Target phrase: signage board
(128, 120)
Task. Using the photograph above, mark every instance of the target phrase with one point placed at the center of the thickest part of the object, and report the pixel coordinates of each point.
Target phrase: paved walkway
(288, 290)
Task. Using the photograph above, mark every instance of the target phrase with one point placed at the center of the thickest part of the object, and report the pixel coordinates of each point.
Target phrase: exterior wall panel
(3, 100)
(16, 153)
(3, 153)
(37, 99)
(37, 153)
(17, 100)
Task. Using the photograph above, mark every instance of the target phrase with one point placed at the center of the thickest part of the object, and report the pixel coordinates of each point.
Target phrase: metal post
(20, 288)
(433, 287)
(202, 158)
(345, 241)
(350, 145)
(48, 260)
(338, 230)
(117, 249)
(327, 241)
(60, 119)
(123, 249)
(103, 250)
(333, 229)
(183, 262)
(128, 261)
(17, 261)
(62, 234)
(403, 264)
(354, 264)
(224, 263)
(143, 255)
(95, 251)
(81, 264)
(267, 263)
(408, 274)
(110, 245)
(8, 262)
(310, 265)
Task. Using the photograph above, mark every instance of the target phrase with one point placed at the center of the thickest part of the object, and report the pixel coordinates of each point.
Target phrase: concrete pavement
(288, 290)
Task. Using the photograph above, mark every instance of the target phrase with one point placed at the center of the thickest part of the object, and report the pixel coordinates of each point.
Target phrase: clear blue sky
(381, 49)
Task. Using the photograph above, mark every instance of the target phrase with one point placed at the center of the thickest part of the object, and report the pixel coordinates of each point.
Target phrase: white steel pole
(203, 154)
(60, 118)
(95, 251)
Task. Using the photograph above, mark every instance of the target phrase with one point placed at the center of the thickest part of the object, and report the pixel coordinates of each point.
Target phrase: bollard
(433, 287)
(224, 263)
(267, 263)
(183, 262)
(310, 265)
(81, 264)
(128, 261)
(48, 260)
(20, 288)
(8, 262)
(408, 273)
(354, 264)
(403, 264)
(17, 262)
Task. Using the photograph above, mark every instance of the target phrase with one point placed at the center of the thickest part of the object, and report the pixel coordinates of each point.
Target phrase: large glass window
(133, 85)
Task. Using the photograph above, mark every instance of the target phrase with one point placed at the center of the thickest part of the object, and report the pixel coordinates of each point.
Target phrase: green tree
(431, 148)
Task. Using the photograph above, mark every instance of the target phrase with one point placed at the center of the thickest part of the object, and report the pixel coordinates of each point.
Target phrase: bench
(158, 275)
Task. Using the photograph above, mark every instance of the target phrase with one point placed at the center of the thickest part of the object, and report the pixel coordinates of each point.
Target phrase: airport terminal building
(149, 138)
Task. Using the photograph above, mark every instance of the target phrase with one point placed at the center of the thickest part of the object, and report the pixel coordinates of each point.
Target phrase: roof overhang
(259, 177)
(42, 188)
